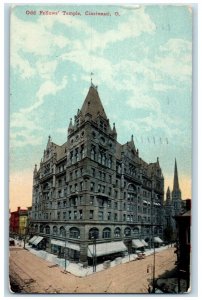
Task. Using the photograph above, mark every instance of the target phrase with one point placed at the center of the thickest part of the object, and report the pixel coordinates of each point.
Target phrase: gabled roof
(92, 104)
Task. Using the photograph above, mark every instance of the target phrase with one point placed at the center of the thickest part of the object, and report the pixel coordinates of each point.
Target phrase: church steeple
(176, 193)
(175, 182)
(168, 198)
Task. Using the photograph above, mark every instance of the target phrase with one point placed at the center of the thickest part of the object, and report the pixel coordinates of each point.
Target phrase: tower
(176, 193)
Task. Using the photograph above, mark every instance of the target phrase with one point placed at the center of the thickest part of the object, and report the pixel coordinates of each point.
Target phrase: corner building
(92, 187)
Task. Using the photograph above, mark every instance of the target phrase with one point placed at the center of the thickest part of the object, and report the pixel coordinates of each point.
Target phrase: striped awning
(68, 245)
(32, 239)
(38, 240)
(157, 240)
(107, 248)
(137, 244)
(144, 243)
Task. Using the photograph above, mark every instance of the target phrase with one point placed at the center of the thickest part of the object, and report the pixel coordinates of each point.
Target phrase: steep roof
(92, 104)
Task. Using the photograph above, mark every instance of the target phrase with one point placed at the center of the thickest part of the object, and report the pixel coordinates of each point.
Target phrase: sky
(141, 60)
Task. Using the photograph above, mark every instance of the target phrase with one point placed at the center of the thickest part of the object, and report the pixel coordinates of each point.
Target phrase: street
(35, 275)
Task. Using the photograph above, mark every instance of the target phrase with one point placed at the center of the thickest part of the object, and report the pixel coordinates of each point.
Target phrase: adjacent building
(92, 188)
(18, 221)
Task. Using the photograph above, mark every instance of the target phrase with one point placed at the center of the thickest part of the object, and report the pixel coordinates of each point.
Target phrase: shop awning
(38, 240)
(32, 239)
(107, 248)
(68, 245)
(157, 240)
(58, 243)
(144, 243)
(137, 244)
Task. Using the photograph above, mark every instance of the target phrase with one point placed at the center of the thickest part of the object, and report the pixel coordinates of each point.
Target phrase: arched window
(127, 231)
(41, 228)
(93, 233)
(117, 232)
(62, 231)
(74, 233)
(106, 234)
(36, 228)
(47, 229)
(55, 230)
(136, 232)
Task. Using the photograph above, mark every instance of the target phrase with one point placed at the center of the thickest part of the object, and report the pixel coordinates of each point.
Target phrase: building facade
(18, 221)
(94, 188)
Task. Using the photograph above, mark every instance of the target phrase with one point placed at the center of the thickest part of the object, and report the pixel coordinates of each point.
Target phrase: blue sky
(142, 64)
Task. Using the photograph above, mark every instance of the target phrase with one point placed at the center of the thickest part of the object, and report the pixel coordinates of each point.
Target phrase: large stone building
(92, 187)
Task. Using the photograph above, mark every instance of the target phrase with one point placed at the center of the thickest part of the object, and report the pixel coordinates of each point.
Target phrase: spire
(49, 141)
(168, 195)
(114, 133)
(35, 169)
(70, 125)
(175, 182)
(92, 104)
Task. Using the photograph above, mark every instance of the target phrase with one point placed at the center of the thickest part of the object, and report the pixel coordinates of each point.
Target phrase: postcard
(100, 148)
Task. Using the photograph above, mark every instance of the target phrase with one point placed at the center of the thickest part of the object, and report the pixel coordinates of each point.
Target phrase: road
(35, 275)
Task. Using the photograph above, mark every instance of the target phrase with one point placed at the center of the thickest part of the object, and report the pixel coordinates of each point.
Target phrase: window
(58, 215)
(103, 189)
(115, 205)
(93, 172)
(110, 191)
(99, 188)
(91, 214)
(110, 179)
(47, 229)
(103, 176)
(71, 157)
(127, 232)
(100, 216)
(62, 231)
(109, 204)
(41, 228)
(76, 154)
(91, 200)
(69, 214)
(124, 217)
(110, 161)
(82, 151)
(70, 176)
(75, 215)
(80, 214)
(76, 187)
(117, 232)
(76, 173)
(92, 186)
(116, 194)
(55, 230)
(74, 233)
(81, 170)
(64, 215)
(93, 152)
(81, 186)
(115, 217)
(93, 233)
(64, 204)
(109, 216)
(106, 234)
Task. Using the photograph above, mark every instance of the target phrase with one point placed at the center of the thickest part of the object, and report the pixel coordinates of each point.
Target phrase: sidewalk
(77, 268)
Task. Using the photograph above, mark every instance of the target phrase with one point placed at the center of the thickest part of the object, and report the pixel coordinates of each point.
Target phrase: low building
(18, 221)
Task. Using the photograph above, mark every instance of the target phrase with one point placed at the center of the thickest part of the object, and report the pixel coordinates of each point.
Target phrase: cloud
(25, 130)
(175, 59)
